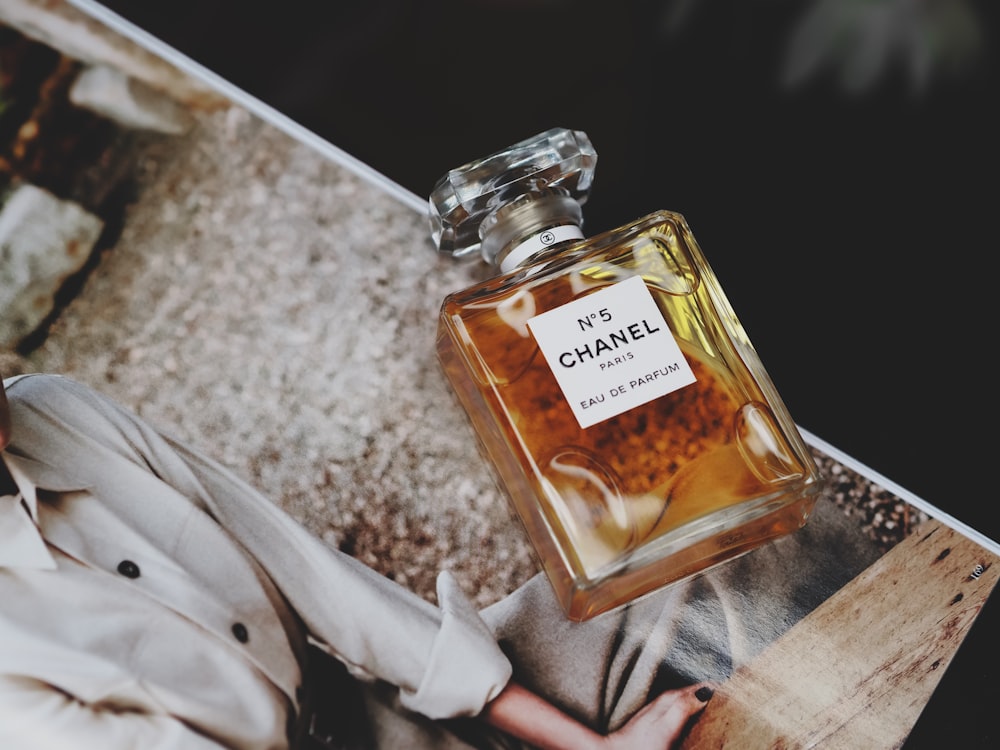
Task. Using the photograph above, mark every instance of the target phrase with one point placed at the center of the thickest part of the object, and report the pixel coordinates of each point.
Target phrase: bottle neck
(530, 224)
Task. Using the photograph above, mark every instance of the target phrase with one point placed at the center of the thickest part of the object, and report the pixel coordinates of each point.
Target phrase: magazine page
(828, 157)
(263, 299)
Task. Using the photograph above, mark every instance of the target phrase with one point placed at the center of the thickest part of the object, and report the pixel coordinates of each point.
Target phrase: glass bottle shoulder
(658, 246)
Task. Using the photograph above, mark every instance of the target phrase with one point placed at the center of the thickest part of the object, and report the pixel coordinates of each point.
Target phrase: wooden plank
(857, 672)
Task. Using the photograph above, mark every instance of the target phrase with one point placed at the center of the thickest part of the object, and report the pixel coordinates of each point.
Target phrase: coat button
(240, 632)
(128, 569)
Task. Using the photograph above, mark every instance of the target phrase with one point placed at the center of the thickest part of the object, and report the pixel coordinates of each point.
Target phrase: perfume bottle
(613, 389)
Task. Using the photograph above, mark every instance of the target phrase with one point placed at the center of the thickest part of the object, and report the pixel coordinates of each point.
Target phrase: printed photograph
(242, 505)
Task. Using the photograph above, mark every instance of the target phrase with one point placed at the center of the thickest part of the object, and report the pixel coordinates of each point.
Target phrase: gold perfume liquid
(625, 411)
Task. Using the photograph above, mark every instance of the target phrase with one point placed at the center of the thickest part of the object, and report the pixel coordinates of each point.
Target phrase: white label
(611, 351)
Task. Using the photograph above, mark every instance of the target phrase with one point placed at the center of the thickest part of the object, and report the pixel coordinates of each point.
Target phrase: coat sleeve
(34, 714)
(444, 659)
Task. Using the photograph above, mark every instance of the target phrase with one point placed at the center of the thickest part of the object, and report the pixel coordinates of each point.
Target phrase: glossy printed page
(267, 302)
(829, 156)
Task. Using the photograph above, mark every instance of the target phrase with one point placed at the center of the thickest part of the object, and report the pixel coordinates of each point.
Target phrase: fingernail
(704, 693)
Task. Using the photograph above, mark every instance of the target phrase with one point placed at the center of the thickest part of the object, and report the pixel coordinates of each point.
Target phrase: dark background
(850, 217)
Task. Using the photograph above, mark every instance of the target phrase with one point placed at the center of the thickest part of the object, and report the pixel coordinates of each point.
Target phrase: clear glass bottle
(619, 399)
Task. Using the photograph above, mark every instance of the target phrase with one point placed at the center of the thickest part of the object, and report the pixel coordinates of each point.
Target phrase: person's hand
(657, 726)
(660, 723)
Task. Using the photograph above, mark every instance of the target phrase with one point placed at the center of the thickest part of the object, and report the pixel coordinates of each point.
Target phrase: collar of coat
(21, 541)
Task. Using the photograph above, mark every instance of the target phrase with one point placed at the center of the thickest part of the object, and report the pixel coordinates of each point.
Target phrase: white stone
(77, 34)
(112, 94)
(43, 241)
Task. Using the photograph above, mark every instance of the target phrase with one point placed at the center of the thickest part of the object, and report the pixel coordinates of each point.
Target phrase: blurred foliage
(863, 42)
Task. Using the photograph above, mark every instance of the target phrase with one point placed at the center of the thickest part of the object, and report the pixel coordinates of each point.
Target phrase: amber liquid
(654, 494)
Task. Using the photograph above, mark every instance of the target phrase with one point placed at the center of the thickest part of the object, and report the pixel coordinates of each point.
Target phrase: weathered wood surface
(857, 672)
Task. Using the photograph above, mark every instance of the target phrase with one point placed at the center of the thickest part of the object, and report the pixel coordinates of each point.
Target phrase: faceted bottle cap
(463, 198)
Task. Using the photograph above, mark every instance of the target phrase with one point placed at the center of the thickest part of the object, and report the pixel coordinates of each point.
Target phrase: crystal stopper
(467, 195)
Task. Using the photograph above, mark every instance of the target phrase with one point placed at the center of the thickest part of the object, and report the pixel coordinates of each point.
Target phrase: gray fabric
(602, 671)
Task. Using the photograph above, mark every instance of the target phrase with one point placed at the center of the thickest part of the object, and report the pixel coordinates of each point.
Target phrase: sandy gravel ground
(278, 312)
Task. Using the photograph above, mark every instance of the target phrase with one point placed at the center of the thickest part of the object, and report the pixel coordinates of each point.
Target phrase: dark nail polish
(704, 693)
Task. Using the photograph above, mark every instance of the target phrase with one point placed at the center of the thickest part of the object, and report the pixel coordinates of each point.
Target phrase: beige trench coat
(177, 614)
